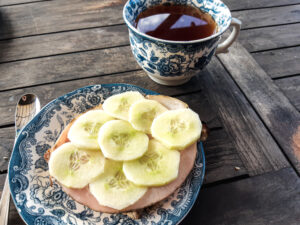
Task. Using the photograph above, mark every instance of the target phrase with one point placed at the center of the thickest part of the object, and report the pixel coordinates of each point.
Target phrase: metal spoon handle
(27, 107)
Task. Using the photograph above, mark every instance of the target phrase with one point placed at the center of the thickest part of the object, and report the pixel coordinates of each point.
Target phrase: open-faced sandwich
(127, 154)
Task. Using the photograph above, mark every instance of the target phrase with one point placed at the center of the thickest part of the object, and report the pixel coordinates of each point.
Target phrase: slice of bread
(154, 194)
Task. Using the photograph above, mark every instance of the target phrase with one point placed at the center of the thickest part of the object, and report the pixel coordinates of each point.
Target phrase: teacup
(175, 62)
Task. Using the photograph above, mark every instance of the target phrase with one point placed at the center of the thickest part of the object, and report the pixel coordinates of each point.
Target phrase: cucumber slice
(118, 105)
(84, 132)
(74, 167)
(119, 141)
(112, 188)
(142, 114)
(177, 129)
(158, 166)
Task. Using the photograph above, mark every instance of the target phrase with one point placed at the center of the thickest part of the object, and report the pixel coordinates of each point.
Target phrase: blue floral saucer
(39, 203)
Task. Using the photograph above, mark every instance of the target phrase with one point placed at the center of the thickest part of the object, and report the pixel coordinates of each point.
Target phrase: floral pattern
(171, 58)
(41, 162)
(40, 203)
(41, 192)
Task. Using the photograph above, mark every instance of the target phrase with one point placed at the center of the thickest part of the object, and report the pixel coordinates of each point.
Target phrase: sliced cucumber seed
(76, 159)
(149, 115)
(176, 125)
(119, 181)
(124, 105)
(151, 160)
(92, 128)
(121, 139)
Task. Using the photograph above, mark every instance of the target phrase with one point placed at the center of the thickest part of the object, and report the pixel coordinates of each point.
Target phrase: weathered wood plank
(260, 39)
(14, 2)
(106, 61)
(200, 104)
(7, 137)
(278, 114)
(279, 63)
(250, 4)
(66, 67)
(291, 88)
(222, 158)
(268, 16)
(272, 198)
(49, 92)
(65, 42)
(255, 145)
(81, 40)
(2, 180)
(55, 16)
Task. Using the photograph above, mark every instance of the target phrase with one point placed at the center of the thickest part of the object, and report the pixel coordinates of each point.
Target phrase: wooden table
(249, 97)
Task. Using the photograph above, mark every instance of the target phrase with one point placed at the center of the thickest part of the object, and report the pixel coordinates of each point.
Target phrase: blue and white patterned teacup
(175, 62)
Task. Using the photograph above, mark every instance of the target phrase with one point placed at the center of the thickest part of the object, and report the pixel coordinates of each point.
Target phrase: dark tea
(176, 23)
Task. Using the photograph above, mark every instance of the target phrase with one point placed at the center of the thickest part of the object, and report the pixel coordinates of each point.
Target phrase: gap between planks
(49, 16)
(79, 46)
(237, 5)
(4, 3)
(272, 198)
(278, 114)
(256, 147)
(256, 40)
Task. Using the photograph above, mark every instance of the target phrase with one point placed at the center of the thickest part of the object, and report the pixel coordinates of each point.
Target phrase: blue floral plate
(39, 203)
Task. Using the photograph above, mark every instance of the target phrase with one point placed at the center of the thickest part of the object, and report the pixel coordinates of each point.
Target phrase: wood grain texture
(66, 67)
(57, 16)
(15, 2)
(2, 180)
(291, 88)
(7, 137)
(64, 42)
(81, 40)
(49, 92)
(273, 107)
(255, 145)
(261, 39)
(201, 104)
(272, 198)
(222, 158)
(250, 4)
(268, 16)
(279, 63)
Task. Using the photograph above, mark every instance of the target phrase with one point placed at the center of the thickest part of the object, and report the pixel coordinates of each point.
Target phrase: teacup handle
(223, 47)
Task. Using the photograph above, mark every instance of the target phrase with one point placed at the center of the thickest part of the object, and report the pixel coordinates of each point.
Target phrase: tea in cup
(172, 40)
